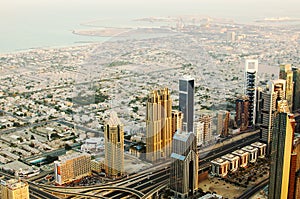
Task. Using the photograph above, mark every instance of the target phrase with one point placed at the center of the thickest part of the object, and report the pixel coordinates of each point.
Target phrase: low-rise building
(14, 189)
(252, 153)
(261, 149)
(97, 165)
(233, 161)
(244, 157)
(220, 167)
(72, 167)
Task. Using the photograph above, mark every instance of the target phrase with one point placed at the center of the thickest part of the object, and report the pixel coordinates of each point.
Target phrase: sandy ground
(259, 195)
(220, 187)
(133, 164)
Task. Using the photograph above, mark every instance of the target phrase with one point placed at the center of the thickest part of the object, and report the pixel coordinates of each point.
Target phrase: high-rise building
(199, 132)
(184, 166)
(206, 120)
(281, 150)
(71, 167)
(177, 117)
(231, 36)
(267, 106)
(267, 111)
(14, 189)
(114, 146)
(158, 125)
(223, 123)
(242, 113)
(251, 70)
(186, 101)
(296, 94)
(286, 73)
(294, 180)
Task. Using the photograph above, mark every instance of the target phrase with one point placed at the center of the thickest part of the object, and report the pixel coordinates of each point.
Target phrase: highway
(140, 184)
(148, 180)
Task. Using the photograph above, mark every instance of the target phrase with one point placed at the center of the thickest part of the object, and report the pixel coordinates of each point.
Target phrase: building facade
(72, 167)
(286, 73)
(223, 118)
(186, 101)
(114, 147)
(242, 112)
(158, 125)
(184, 165)
(251, 70)
(296, 94)
(177, 118)
(281, 151)
(14, 189)
(199, 132)
(206, 121)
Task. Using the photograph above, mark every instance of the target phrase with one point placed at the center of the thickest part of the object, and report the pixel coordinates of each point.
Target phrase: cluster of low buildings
(239, 158)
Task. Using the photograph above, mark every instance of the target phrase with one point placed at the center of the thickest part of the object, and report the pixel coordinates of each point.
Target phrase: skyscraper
(267, 111)
(296, 94)
(114, 146)
(294, 186)
(281, 150)
(251, 70)
(186, 101)
(267, 104)
(158, 125)
(184, 166)
(286, 73)
(242, 113)
(223, 123)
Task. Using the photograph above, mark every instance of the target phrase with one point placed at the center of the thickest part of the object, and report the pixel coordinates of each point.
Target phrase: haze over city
(150, 99)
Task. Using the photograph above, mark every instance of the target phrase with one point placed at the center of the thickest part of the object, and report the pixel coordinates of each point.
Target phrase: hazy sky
(119, 8)
(35, 23)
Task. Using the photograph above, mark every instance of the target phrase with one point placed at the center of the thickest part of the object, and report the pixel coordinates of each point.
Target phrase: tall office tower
(186, 101)
(177, 117)
(286, 73)
(242, 113)
(281, 150)
(296, 95)
(267, 110)
(14, 189)
(71, 167)
(267, 106)
(114, 146)
(223, 123)
(206, 120)
(158, 125)
(251, 70)
(259, 104)
(184, 166)
(294, 180)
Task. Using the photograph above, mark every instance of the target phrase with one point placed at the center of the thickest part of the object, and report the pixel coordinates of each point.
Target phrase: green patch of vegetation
(119, 63)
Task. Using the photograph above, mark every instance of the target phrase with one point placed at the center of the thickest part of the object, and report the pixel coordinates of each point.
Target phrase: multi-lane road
(157, 177)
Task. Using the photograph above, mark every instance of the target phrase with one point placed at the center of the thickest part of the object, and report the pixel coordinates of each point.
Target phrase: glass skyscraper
(186, 102)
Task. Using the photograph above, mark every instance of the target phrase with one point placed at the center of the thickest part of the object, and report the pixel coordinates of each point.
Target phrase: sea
(35, 24)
